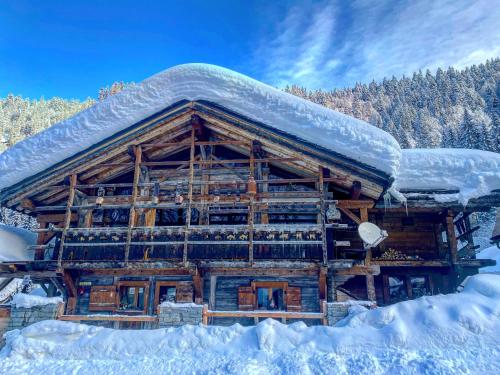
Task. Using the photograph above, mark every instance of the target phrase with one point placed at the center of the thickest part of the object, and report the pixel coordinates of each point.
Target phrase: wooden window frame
(158, 285)
(134, 284)
(270, 285)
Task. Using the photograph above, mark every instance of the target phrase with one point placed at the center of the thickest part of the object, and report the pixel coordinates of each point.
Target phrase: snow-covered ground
(444, 334)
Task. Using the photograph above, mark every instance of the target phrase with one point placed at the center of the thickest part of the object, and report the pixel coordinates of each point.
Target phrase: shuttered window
(103, 298)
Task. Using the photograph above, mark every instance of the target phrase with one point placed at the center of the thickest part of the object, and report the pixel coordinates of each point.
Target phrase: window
(167, 294)
(397, 288)
(419, 286)
(402, 287)
(166, 291)
(270, 299)
(133, 296)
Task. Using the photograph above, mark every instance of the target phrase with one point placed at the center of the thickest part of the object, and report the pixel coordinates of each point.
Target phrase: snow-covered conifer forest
(451, 108)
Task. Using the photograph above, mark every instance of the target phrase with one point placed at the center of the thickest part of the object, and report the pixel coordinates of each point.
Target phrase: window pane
(167, 294)
(397, 288)
(140, 299)
(278, 300)
(270, 299)
(262, 298)
(419, 286)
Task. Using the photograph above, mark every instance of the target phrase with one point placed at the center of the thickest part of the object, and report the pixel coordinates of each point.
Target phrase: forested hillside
(451, 108)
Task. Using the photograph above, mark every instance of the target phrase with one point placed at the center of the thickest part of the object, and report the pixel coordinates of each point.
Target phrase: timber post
(67, 216)
(190, 196)
(135, 189)
(452, 238)
(321, 187)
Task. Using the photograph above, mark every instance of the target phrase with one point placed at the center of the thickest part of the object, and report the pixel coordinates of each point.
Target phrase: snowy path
(444, 334)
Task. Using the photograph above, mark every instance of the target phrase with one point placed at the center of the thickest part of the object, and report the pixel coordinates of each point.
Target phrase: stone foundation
(178, 314)
(336, 311)
(21, 317)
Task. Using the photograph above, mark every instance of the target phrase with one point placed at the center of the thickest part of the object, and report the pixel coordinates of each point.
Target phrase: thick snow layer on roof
(314, 123)
(473, 173)
(15, 242)
(492, 252)
(443, 334)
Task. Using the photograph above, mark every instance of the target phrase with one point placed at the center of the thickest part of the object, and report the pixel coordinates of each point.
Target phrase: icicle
(387, 200)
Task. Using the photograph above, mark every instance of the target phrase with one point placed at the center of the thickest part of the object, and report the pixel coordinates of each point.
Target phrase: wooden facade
(198, 204)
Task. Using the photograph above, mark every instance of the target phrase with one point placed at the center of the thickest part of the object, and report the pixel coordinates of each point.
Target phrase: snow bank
(444, 334)
(322, 126)
(10, 289)
(14, 243)
(492, 252)
(30, 300)
(473, 173)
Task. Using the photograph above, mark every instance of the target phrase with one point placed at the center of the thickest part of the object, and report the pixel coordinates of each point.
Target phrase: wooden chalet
(200, 204)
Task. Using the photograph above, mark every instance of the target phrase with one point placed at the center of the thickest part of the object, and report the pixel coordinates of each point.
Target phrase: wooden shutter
(103, 298)
(184, 292)
(293, 299)
(246, 298)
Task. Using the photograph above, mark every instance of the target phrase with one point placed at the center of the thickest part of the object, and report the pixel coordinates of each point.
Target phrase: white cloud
(331, 45)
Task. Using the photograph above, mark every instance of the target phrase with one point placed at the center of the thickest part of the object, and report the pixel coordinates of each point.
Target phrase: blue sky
(72, 48)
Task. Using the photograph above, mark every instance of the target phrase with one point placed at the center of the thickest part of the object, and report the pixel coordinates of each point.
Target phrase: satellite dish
(371, 234)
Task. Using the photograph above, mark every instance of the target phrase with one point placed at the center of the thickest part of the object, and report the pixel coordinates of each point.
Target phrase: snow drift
(314, 123)
(15, 242)
(30, 300)
(474, 173)
(444, 334)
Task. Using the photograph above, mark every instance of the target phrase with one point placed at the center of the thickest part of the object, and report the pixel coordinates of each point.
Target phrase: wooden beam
(190, 197)
(213, 288)
(265, 314)
(67, 216)
(322, 283)
(135, 189)
(359, 270)
(322, 219)
(353, 204)
(198, 288)
(110, 318)
(370, 288)
(350, 215)
(452, 239)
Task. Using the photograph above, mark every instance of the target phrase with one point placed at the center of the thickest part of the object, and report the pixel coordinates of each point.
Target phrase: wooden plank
(67, 215)
(265, 314)
(111, 318)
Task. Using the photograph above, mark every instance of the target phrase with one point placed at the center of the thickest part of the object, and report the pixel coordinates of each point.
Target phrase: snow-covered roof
(15, 243)
(311, 122)
(492, 252)
(472, 173)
